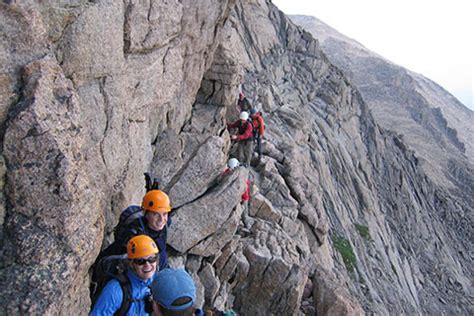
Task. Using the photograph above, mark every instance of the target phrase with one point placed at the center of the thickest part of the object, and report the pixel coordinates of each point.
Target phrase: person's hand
(233, 137)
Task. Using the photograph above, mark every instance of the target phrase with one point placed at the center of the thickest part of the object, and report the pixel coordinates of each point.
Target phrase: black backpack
(254, 130)
(108, 268)
(128, 215)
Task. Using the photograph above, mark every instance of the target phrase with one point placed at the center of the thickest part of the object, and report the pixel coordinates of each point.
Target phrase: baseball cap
(171, 285)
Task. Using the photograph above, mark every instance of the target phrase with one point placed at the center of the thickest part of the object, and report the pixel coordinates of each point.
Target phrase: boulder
(199, 225)
(194, 179)
(331, 296)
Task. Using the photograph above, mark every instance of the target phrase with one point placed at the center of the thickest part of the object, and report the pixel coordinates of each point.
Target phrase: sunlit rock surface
(342, 218)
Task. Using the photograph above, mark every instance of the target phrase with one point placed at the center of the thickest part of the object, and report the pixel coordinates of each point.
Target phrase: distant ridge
(434, 123)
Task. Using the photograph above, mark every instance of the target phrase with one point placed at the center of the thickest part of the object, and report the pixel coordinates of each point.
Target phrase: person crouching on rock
(244, 137)
(232, 165)
(132, 287)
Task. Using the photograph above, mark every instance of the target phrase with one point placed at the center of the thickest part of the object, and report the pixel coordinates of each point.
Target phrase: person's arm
(233, 125)
(247, 134)
(109, 301)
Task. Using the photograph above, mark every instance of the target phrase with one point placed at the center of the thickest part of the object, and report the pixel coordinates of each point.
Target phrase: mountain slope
(434, 123)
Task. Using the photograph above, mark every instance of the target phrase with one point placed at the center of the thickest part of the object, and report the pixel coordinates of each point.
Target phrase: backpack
(256, 127)
(128, 215)
(108, 268)
(249, 120)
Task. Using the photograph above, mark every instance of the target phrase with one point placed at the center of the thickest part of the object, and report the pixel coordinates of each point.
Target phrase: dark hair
(178, 302)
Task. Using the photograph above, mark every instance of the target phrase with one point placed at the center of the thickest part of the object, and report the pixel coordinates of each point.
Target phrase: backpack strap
(127, 295)
(142, 225)
(127, 299)
(254, 129)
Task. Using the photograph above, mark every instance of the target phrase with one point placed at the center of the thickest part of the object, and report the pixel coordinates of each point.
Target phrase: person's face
(156, 220)
(145, 267)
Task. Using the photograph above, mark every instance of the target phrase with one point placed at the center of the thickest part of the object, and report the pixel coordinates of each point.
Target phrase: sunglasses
(141, 262)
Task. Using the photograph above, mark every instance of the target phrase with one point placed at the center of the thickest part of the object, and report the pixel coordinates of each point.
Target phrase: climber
(258, 129)
(232, 165)
(243, 103)
(132, 286)
(244, 137)
(174, 293)
(150, 219)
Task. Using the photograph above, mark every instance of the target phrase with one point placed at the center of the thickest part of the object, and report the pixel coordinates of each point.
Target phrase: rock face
(342, 218)
(90, 87)
(431, 122)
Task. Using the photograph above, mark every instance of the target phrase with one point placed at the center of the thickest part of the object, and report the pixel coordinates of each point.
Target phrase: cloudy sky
(431, 37)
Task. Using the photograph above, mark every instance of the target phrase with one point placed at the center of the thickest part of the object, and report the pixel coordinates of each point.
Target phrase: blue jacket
(111, 297)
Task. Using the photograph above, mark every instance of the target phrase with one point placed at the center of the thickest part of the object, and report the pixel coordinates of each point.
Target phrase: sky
(432, 37)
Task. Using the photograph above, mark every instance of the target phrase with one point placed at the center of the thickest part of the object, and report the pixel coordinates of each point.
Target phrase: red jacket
(245, 129)
(258, 123)
(246, 195)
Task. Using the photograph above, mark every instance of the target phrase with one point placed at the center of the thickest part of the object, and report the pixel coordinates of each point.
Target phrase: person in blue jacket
(142, 266)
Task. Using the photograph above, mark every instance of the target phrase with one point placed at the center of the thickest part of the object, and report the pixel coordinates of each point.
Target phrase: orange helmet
(156, 201)
(141, 246)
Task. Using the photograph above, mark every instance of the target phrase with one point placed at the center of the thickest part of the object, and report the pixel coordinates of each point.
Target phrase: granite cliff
(344, 220)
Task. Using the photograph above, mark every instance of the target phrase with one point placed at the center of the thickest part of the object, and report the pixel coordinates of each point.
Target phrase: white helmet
(244, 115)
(233, 163)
